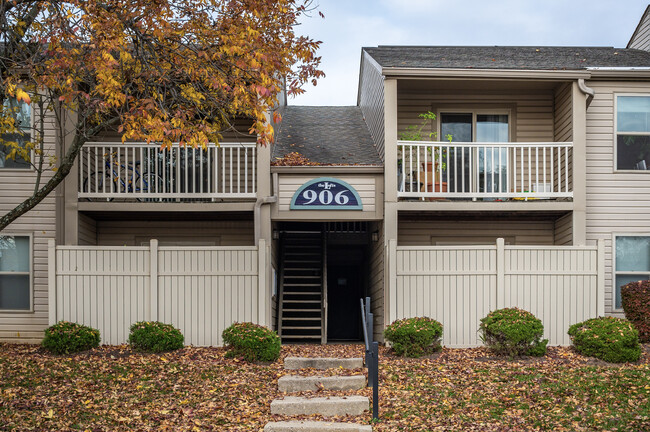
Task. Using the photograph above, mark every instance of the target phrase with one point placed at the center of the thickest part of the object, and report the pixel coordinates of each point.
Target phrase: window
(632, 262)
(633, 132)
(492, 163)
(15, 272)
(23, 117)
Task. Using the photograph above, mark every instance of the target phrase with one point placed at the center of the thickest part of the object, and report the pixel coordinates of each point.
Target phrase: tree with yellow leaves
(159, 71)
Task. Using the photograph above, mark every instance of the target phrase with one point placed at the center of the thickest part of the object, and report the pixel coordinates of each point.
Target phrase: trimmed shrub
(614, 340)
(635, 298)
(513, 332)
(252, 342)
(67, 337)
(414, 337)
(154, 336)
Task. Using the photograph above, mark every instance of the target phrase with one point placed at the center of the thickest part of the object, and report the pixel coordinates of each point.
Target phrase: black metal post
(375, 379)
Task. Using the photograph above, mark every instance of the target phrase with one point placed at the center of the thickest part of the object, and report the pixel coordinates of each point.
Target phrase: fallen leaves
(114, 388)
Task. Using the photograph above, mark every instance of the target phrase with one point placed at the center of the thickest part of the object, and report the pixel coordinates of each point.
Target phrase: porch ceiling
(168, 216)
(484, 85)
(481, 215)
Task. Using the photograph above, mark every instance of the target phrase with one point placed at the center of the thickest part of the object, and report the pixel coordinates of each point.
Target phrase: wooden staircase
(303, 291)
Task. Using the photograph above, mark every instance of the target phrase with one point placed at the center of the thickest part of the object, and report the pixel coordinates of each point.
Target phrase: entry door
(344, 289)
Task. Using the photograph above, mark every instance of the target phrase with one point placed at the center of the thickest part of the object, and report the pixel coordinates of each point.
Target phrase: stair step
(301, 301)
(301, 310)
(301, 277)
(315, 426)
(305, 285)
(302, 261)
(300, 319)
(301, 328)
(297, 383)
(325, 406)
(322, 362)
(300, 336)
(302, 293)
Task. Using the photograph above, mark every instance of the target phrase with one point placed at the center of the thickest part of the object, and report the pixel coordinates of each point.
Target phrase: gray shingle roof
(327, 135)
(507, 57)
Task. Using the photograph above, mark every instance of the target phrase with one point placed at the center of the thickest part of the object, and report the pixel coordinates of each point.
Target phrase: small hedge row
(514, 332)
(614, 340)
(67, 338)
(251, 342)
(414, 337)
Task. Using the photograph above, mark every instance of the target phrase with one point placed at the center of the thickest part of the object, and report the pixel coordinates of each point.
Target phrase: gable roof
(332, 135)
(636, 36)
(507, 57)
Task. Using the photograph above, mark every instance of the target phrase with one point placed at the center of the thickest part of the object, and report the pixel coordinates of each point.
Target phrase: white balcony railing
(141, 171)
(496, 171)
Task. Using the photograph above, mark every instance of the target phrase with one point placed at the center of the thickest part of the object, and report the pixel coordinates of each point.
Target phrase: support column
(390, 195)
(579, 165)
(70, 223)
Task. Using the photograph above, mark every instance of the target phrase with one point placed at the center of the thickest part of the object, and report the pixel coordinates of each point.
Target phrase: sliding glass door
(482, 169)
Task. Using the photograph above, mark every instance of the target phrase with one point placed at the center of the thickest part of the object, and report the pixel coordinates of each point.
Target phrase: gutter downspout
(586, 90)
(260, 202)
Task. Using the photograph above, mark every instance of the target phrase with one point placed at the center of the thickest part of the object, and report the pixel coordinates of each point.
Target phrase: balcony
(143, 172)
(484, 171)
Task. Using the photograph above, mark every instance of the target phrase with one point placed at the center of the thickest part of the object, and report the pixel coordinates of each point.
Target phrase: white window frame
(616, 133)
(31, 271)
(31, 167)
(615, 272)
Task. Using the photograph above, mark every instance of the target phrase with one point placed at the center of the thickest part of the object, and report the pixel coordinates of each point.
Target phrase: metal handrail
(372, 355)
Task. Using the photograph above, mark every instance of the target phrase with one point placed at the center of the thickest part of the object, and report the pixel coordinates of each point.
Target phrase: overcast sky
(351, 24)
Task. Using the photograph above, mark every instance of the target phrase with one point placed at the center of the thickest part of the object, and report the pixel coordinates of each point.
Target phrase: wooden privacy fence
(459, 285)
(200, 290)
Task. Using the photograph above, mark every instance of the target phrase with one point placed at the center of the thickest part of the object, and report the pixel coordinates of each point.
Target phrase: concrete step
(325, 406)
(314, 426)
(296, 383)
(322, 363)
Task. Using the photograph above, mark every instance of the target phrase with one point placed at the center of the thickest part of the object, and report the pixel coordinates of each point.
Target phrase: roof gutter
(485, 73)
(620, 72)
(586, 90)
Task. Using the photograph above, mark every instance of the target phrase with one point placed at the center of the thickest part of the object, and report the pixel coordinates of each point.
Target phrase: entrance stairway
(324, 406)
(301, 316)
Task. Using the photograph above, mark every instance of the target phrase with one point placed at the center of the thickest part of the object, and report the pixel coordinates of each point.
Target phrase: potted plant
(417, 133)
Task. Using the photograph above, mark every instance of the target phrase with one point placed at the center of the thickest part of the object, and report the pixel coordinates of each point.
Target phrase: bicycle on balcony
(123, 180)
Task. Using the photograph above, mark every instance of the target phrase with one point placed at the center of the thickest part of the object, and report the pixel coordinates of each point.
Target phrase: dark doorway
(346, 280)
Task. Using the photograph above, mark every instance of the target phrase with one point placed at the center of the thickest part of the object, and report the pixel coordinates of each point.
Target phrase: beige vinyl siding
(368, 187)
(564, 230)
(616, 202)
(371, 100)
(563, 114)
(641, 37)
(531, 112)
(15, 187)
(377, 264)
(87, 230)
(468, 232)
(133, 233)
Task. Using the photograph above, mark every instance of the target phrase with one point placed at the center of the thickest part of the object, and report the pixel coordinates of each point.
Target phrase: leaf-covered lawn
(114, 388)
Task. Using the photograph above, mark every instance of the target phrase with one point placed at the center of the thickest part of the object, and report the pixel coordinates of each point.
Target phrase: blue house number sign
(326, 193)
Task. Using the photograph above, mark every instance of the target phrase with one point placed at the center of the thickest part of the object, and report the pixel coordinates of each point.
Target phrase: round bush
(614, 340)
(252, 342)
(414, 337)
(67, 337)
(154, 336)
(513, 332)
(635, 298)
